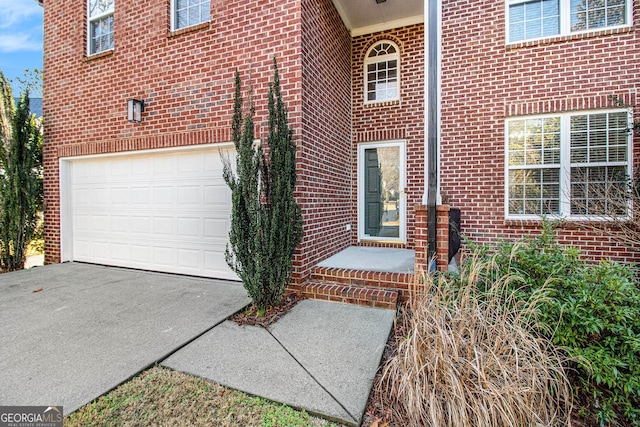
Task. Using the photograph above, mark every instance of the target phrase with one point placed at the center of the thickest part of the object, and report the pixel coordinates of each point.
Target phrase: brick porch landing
(372, 259)
(374, 277)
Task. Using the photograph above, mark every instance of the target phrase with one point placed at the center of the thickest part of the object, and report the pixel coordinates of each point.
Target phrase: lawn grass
(162, 397)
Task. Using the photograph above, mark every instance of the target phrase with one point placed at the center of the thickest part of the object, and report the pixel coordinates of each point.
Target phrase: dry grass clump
(162, 397)
(473, 359)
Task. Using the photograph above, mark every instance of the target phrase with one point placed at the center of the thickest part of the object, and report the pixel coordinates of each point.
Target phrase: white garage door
(162, 211)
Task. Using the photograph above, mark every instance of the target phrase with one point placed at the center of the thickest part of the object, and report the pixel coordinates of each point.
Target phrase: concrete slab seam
(158, 361)
(312, 376)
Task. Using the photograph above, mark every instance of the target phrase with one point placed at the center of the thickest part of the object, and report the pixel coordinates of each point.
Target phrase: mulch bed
(273, 313)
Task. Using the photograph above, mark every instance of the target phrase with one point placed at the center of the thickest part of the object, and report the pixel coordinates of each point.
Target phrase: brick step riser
(357, 295)
(368, 279)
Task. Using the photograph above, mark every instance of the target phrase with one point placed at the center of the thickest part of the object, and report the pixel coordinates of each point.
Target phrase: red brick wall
(484, 81)
(186, 80)
(325, 160)
(403, 119)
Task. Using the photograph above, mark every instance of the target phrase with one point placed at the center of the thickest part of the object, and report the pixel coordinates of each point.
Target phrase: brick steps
(367, 288)
(371, 279)
(381, 298)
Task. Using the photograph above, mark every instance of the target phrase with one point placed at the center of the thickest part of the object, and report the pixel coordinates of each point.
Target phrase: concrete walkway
(321, 357)
(72, 332)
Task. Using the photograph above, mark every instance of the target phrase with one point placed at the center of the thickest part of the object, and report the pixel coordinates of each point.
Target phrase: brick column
(421, 239)
(442, 238)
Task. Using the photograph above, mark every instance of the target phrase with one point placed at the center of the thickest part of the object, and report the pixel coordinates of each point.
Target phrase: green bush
(592, 311)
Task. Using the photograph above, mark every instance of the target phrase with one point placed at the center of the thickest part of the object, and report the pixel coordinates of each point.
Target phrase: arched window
(382, 72)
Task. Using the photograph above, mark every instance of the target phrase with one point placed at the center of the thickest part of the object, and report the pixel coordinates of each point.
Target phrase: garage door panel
(159, 211)
(164, 195)
(164, 165)
(164, 226)
(120, 169)
(189, 227)
(140, 195)
(120, 196)
(217, 195)
(216, 229)
(120, 252)
(189, 258)
(142, 168)
(164, 256)
(191, 166)
(120, 224)
(190, 195)
(213, 262)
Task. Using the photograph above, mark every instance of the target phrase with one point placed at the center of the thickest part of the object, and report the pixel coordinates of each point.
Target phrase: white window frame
(565, 20)
(377, 59)
(402, 234)
(565, 164)
(90, 20)
(174, 18)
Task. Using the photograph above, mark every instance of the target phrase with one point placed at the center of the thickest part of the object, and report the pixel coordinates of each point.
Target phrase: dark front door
(372, 193)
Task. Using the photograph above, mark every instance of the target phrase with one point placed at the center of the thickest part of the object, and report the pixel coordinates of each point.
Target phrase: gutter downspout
(432, 103)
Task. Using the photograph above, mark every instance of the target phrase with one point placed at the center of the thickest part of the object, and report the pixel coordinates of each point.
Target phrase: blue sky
(20, 37)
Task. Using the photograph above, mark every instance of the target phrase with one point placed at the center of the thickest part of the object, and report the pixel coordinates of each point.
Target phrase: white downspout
(439, 90)
(425, 91)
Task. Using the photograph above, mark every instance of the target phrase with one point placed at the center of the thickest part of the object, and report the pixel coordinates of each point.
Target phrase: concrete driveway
(70, 332)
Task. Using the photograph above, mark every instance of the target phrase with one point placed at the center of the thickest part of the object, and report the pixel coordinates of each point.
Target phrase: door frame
(401, 144)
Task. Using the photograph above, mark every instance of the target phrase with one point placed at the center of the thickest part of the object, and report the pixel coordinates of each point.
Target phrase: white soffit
(366, 16)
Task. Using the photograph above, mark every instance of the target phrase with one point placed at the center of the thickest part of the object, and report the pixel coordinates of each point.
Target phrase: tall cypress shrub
(266, 222)
(20, 179)
(283, 225)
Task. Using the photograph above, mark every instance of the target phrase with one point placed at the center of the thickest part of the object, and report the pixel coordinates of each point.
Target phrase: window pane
(101, 34)
(532, 10)
(534, 19)
(383, 83)
(534, 141)
(616, 16)
(516, 32)
(533, 29)
(590, 14)
(182, 20)
(599, 190)
(194, 15)
(516, 158)
(599, 138)
(191, 12)
(550, 27)
(550, 8)
(516, 207)
(534, 191)
(618, 120)
(516, 13)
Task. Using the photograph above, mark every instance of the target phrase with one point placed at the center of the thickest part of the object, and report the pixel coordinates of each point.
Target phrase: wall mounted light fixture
(135, 107)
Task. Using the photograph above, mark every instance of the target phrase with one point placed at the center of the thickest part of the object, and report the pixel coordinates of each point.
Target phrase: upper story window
(532, 19)
(574, 165)
(100, 25)
(186, 13)
(382, 72)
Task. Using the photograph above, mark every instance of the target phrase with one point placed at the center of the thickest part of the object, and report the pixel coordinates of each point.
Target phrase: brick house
(364, 81)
